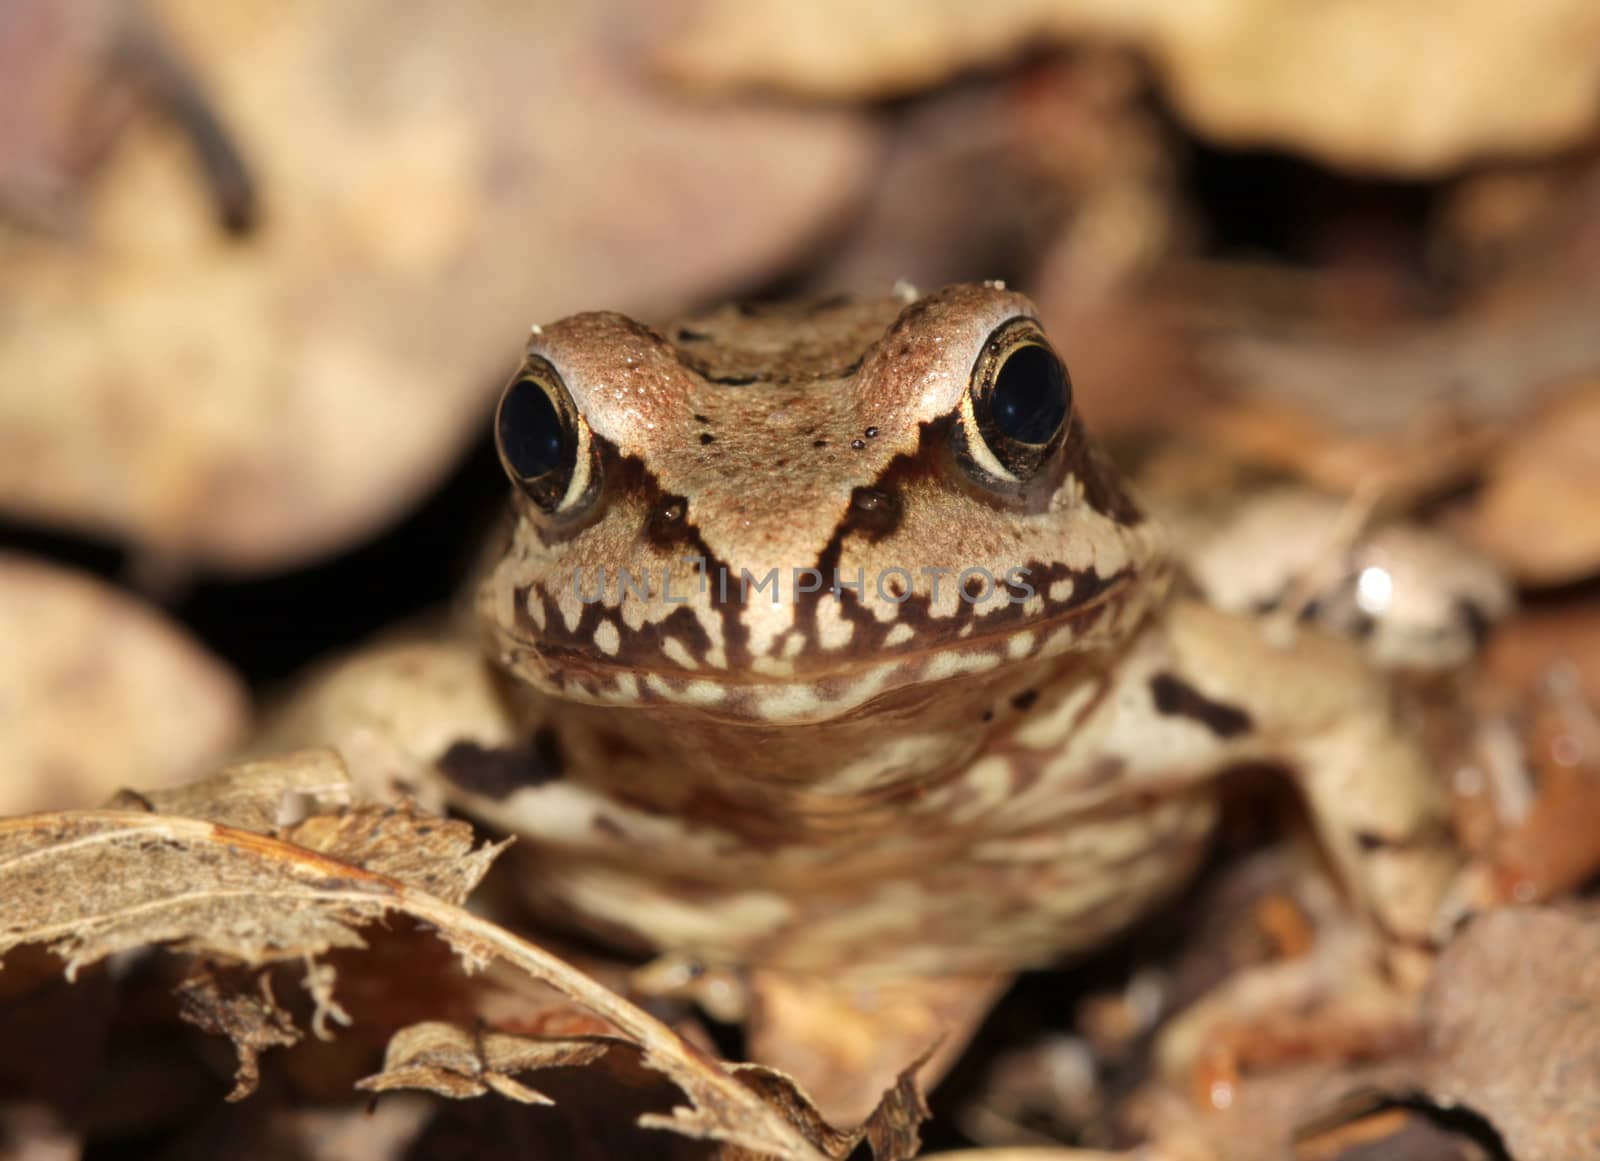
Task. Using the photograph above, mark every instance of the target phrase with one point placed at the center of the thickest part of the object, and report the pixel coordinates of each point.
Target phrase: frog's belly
(999, 902)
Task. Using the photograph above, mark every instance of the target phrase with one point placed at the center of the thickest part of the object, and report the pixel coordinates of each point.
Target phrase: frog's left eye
(544, 444)
(1019, 403)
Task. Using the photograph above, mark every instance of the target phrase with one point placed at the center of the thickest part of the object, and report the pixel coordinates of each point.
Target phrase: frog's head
(727, 473)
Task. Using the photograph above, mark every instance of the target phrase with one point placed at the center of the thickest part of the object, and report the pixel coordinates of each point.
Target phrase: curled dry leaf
(100, 691)
(453, 1062)
(891, 1129)
(89, 884)
(846, 1040)
(1379, 84)
(253, 403)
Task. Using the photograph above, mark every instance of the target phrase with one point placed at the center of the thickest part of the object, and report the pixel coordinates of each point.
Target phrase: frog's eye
(1019, 403)
(544, 445)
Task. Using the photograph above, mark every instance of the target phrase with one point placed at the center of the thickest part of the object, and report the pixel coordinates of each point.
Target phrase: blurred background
(264, 268)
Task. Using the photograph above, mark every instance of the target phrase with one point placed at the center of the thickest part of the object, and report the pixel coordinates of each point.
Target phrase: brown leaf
(92, 883)
(846, 1040)
(1513, 1016)
(891, 1129)
(424, 852)
(238, 1004)
(454, 1062)
(261, 795)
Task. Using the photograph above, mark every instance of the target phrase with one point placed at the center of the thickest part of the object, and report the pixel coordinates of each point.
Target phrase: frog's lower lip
(819, 690)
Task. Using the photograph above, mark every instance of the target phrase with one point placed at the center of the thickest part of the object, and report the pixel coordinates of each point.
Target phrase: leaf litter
(242, 895)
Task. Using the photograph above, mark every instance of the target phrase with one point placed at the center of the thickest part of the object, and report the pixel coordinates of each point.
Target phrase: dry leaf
(846, 1040)
(891, 1129)
(453, 1062)
(430, 187)
(422, 851)
(1513, 1017)
(93, 883)
(237, 1003)
(1393, 85)
(100, 691)
(261, 795)
(1539, 511)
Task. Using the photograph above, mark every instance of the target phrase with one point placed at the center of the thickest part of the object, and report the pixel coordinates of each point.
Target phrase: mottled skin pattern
(928, 784)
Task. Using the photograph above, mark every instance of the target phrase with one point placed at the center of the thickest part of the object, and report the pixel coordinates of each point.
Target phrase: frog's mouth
(652, 667)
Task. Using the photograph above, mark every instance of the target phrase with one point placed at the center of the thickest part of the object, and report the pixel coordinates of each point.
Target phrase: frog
(826, 644)
(838, 643)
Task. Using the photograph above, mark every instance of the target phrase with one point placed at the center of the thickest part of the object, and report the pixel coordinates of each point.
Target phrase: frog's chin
(820, 688)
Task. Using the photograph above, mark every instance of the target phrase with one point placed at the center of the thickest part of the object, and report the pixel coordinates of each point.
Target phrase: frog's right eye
(545, 447)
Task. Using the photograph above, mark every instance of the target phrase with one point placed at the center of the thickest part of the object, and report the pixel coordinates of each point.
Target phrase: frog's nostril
(874, 511)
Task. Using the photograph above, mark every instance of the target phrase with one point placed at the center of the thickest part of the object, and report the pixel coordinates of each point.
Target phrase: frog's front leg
(1309, 702)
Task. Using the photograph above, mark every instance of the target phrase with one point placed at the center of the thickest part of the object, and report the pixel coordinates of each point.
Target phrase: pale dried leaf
(101, 691)
(1513, 1016)
(1247, 72)
(891, 1129)
(92, 883)
(261, 795)
(424, 852)
(846, 1041)
(458, 1063)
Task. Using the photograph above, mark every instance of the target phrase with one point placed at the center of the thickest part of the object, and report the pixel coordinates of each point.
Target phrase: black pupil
(531, 431)
(1030, 397)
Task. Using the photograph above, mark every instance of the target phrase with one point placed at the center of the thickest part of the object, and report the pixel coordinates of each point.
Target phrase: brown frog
(833, 644)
